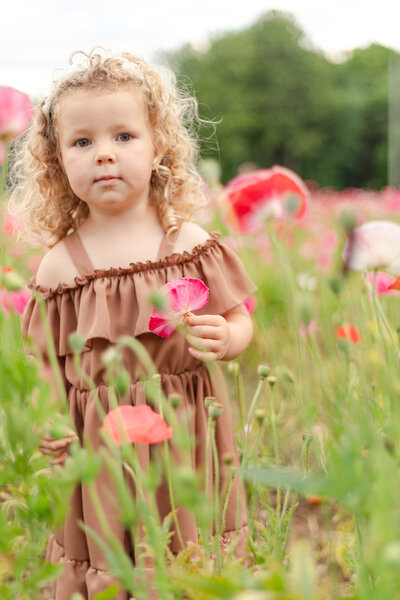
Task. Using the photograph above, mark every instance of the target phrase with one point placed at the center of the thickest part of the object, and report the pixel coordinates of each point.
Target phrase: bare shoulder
(190, 235)
(56, 267)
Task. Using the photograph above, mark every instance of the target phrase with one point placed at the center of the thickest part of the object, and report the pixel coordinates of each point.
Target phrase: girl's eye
(82, 143)
(124, 137)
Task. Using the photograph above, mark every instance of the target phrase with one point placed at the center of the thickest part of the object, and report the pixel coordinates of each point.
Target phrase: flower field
(316, 407)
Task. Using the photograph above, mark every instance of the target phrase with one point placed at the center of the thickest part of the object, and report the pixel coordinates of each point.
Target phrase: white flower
(374, 245)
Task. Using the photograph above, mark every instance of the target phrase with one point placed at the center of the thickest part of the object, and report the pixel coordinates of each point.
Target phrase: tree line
(278, 100)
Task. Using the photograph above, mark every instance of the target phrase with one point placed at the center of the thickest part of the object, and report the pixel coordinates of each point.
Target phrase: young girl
(108, 174)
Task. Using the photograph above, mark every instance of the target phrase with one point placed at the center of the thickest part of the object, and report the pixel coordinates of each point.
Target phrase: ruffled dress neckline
(176, 258)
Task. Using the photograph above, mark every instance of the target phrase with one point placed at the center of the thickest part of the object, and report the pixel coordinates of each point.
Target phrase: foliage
(279, 100)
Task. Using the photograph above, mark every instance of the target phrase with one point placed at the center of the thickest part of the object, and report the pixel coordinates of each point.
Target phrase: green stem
(208, 442)
(245, 447)
(91, 385)
(276, 451)
(171, 493)
(228, 495)
(216, 496)
(51, 352)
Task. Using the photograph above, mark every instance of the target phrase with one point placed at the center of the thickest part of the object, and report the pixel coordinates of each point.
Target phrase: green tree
(278, 100)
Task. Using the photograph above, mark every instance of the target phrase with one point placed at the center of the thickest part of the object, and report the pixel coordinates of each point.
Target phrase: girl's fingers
(60, 460)
(204, 345)
(193, 320)
(202, 355)
(55, 445)
(205, 331)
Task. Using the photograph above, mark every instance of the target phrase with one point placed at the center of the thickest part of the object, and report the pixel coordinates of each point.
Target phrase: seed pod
(215, 410)
(175, 400)
(209, 400)
(76, 342)
(271, 380)
(263, 370)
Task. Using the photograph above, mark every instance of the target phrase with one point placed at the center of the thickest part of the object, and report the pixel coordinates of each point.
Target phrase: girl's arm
(219, 337)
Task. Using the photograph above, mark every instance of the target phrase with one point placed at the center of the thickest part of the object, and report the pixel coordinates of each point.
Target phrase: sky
(37, 36)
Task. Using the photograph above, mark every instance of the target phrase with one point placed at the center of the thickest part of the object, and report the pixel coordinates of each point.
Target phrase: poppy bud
(227, 457)
(215, 410)
(175, 400)
(260, 415)
(263, 371)
(271, 380)
(76, 342)
(233, 367)
(109, 357)
(348, 220)
(209, 400)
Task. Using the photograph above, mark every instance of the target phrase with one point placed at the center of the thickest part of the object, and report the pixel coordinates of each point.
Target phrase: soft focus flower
(306, 281)
(15, 113)
(251, 304)
(14, 300)
(309, 330)
(349, 332)
(374, 245)
(384, 283)
(137, 425)
(395, 285)
(182, 297)
(266, 193)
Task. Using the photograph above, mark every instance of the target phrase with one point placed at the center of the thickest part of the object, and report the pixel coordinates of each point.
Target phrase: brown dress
(103, 305)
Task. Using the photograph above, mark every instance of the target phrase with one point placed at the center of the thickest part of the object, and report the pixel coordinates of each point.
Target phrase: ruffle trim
(174, 259)
(114, 302)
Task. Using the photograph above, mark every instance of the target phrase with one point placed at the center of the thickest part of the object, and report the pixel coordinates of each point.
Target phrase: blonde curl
(42, 197)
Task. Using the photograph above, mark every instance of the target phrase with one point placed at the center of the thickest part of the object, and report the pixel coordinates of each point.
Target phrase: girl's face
(106, 148)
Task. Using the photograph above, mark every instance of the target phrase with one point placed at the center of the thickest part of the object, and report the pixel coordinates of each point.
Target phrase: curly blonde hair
(42, 197)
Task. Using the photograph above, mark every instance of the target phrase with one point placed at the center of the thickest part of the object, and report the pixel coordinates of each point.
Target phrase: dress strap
(167, 245)
(78, 254)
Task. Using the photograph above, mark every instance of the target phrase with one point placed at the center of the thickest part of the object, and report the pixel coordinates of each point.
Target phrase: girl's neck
(141, 218)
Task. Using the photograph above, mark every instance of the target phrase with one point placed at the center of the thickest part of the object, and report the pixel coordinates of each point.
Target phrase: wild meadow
(315, 400)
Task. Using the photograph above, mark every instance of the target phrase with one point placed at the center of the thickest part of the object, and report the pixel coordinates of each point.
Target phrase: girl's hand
(57, 448)
(209, 336)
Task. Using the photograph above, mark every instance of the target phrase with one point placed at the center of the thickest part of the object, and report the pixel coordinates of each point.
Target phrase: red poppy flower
(259, 195)
(348, 331)
(395, 285)
(137, 425)
(182, 297)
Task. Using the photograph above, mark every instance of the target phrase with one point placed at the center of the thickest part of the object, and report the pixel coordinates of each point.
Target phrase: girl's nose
(105, 155)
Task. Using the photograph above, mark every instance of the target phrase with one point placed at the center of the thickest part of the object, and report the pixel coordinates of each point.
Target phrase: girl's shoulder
(189, 236)
(56, 267)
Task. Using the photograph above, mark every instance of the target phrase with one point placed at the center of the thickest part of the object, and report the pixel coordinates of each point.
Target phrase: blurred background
(314, 86)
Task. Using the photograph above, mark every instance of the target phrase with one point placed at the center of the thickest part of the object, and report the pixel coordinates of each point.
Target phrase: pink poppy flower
(266, 193)
(15, 113)
(308, 331)
(14, 300)
(251, 304)
(372, 246)
(137, 425)
(182, 297)
(384, 283)
(348, 331)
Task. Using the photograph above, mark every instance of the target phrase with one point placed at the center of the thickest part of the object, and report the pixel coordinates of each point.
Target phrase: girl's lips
(107, 180)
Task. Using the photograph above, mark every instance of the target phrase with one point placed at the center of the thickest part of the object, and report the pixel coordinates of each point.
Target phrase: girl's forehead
(110, 95)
